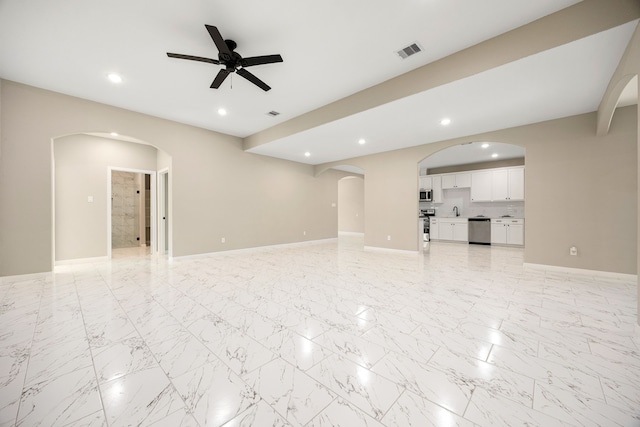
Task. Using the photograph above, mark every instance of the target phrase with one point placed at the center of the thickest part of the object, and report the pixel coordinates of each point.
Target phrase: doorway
(131, 207)
(164, 231)
(351, 205)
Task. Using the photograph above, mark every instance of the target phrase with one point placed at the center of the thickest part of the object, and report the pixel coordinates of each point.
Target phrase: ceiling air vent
(408, 51)
(272, 113)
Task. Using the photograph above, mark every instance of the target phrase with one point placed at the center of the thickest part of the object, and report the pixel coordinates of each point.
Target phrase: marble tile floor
(322, 334)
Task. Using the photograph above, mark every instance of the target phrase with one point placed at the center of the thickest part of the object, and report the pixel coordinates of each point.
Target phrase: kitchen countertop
(469, 217)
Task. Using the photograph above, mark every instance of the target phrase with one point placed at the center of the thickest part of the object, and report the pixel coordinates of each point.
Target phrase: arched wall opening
(472, 179)
(351, 199)
(83, 168)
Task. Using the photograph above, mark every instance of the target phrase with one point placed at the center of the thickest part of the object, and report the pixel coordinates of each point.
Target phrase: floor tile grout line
(152, 354)
(93, 364)
(26, 370)
(321, 411)
(493, 346)
(338, 395)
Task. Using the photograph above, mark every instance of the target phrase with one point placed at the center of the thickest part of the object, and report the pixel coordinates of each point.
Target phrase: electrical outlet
(573, 251)
(223, 240)
(304, 233)
(389, 237)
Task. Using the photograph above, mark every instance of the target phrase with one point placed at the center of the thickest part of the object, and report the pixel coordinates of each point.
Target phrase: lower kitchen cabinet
(434, 229)
(507, 231)
(460, 231)
(453, 229)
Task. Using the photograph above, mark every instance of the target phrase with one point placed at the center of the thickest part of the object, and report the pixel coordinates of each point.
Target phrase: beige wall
(217, 189)
(581, 190)
(81, 170)
(351, 204)
(220, 191)
(477, 166)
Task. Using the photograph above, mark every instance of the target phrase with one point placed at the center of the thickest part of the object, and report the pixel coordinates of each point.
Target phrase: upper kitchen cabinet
(481, 186)
(425, 182)
(456, 180)
(437, 189)
(508, 184)
(498, 185)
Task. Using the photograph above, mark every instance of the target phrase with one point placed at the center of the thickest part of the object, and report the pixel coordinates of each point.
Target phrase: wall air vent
(272, 113)
(409, 50)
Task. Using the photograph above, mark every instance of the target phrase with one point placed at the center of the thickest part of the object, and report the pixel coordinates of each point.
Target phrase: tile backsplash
(461, 197)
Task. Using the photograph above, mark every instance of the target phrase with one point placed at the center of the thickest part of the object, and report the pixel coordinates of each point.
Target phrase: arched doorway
(83, 170)
(351, 204)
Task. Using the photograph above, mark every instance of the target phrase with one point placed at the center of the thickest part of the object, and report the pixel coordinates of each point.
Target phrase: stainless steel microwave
(425, 195)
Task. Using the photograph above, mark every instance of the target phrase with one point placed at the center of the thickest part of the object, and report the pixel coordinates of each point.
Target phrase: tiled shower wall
(125, 202)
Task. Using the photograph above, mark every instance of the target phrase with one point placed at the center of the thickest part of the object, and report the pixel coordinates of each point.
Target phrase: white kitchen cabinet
(498, 233)
(507, 231)
(453, 229)
(481, 186)
(515, 234)
(463, 180)
(460, 231)
(516, 183)
(446, 231)
(456, 180)
(425, 182)
(508, 184)
(434, 231)
(436, 195)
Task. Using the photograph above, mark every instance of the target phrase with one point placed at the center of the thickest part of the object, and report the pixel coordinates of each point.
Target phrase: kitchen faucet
(455, 209)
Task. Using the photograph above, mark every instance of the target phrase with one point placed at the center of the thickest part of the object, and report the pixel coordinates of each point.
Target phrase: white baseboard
(350, 233)
(395, 251)
(81, 260)
(579, 271)
(254, 249)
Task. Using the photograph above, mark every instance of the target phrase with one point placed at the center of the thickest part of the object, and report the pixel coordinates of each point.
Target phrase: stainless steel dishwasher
(480, 231)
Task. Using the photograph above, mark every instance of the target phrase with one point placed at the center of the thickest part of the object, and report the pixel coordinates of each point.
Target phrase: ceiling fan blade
(253, 79)
(222, 74)
(218, 40)
(259, 60)
(193, 58)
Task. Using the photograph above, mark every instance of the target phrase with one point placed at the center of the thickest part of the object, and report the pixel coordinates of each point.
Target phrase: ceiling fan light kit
(233, 62)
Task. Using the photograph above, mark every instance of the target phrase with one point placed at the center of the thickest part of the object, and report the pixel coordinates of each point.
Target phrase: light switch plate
(90, 199)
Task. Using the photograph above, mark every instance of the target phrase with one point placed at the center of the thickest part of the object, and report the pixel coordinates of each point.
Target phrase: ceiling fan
(232, 61)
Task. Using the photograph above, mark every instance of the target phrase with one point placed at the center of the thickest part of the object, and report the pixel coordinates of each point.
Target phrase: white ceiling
(472, 152)
(331, 49)
(560, 82)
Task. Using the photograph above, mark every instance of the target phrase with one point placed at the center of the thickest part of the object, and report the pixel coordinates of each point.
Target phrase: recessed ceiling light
(222, 111)
(485, 145)
(114, 78)
(307, 154)
(494, 155)
(362, 141)
(445, 121)
(114, 133)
